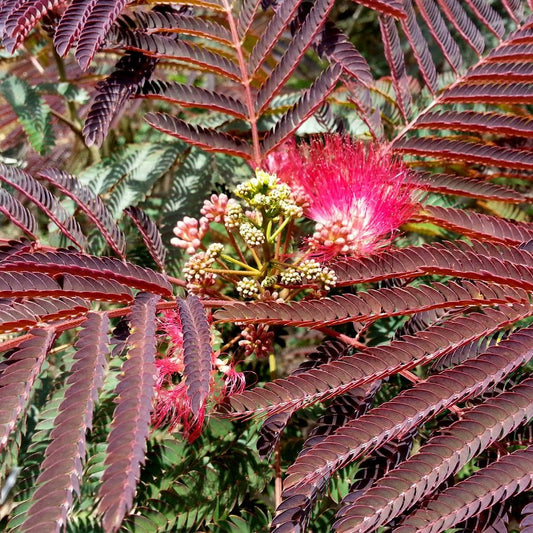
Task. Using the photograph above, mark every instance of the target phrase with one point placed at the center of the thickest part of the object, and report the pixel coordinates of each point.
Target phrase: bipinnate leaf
(15, 316)
(395, 58)
(307, 104)
(371, 304)
(65, 262)
(419, 46)
(72, 22)
(61, 470)
(33, 114)
(440, 33)
(150, 235)
(506, 265)
(183, 23)
(209, 139)
(192, 96)
(469, 187)
(344, 408)
(394, 8)
(90, 204)
(474, 121)
(130, 427)
(45, 200)
(441, 457)
(381, 461)
(479, 226)
(102, 15)
(18, 374)
(131, 71)
(17, 214)
(272, 428)
(374, 363)
(336, 47)
(276, 26)
(160, 46)
(510, 475)
(306, 478)
(197, 351)
(441, 148)
(301, 41)
(458, 17)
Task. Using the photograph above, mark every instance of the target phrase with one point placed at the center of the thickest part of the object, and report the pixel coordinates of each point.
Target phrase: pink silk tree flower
(357, 194)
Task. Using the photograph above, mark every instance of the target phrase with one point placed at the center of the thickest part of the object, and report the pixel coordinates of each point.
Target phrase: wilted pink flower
(357, 195)
(189, 233)
(172, 406)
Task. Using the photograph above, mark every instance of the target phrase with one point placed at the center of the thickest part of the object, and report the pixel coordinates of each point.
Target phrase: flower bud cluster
(247, 287)
(189, 233)
(215, 208)
(251, 234)
(308, 271)
(257, 339)
(266, 193)
(234, 214)
(195, 270)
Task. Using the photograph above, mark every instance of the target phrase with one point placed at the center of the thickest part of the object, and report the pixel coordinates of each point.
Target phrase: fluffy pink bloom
(357, 195)
(172, 406)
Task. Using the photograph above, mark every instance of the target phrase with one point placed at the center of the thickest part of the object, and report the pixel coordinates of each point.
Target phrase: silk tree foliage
(410, 409)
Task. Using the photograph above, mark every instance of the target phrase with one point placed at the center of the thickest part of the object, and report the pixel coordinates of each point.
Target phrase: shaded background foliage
(443, 318)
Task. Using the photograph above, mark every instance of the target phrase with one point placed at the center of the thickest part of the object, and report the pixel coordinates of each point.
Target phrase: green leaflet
(33, 114)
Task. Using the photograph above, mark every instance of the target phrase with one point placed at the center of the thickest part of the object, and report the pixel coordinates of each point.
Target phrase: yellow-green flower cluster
(267, 194)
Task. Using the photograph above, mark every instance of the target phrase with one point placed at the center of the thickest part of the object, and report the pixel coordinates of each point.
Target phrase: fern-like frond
(306, 105)
(273, 426)
(33, 114)
(101, 17)
(419, 46)
(196, 351)
(338, 49)
(471, 121)
(440, 32)
(468, 187)
(61, 469)
(17, 315)
(500, 480)
(72, 22)
(306, 477)
(160, 46)
(506, 265)
(182, 23)
(45, 200)
(479, 226)
(17, 214)
(130, 427)
(191, 96)
(65, 262)
(394, 8)
(466, 151)
(90, 204)
(276, 26)
(131, 71)
(150, 235)
(441, 457)
(297, 47)
(206, 138)
(370, 305)
(374, 363)
(18, 374)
